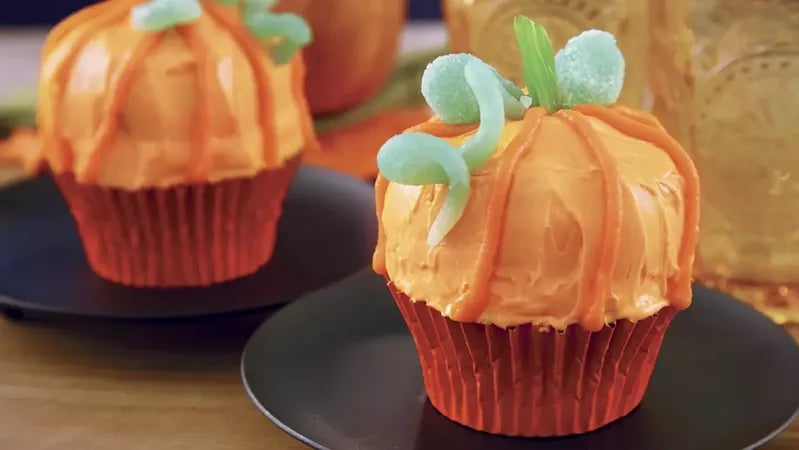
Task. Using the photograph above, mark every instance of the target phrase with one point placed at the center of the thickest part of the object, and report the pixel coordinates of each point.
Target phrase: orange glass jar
(727, 83)
(485, 29)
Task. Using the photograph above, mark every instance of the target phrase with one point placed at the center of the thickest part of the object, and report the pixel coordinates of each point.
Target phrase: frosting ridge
(553, 227)
(128, 108)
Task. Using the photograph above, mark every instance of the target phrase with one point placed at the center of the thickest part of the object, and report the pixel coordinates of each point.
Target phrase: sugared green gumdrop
(590, 69)
(157, 15)
(448, 94)
(446, 91)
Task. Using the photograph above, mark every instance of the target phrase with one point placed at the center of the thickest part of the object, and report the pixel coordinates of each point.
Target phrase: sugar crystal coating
(590, 69)
(448, 94)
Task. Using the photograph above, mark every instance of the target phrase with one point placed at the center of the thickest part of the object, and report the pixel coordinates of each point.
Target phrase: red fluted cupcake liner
(181, 236)
(533, 383)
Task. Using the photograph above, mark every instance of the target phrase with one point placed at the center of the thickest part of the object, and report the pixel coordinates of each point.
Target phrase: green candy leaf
(538, 63)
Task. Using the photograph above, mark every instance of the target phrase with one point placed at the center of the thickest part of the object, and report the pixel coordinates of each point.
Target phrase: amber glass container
(726, 81)
(485, 28)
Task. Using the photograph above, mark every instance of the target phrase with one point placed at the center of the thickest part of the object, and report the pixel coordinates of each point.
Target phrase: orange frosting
(131, 109)
(581, 217)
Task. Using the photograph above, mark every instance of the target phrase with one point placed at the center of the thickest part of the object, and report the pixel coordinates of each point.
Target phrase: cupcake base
(528, 382)
(181, 236)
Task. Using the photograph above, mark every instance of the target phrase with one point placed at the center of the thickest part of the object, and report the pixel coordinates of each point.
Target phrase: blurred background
(14, 13)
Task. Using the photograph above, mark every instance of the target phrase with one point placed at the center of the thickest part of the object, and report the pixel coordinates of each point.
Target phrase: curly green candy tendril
(461, 89)
(419, 158)
(291, 30)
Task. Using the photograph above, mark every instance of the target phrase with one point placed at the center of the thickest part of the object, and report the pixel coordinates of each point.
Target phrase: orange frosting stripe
(541, 240)
(253, 53)
(433, 127)
(441, 129)
(200, 102)
(472, 305)
(379, 258)
(85, 26)
(119, 91)
(199, 169)
(640, 116)
(298, 92)
(681, 284)
(67, 25)
(599, 273)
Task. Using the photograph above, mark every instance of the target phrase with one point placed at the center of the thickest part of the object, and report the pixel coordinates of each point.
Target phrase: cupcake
(173, 129)
(538, 242)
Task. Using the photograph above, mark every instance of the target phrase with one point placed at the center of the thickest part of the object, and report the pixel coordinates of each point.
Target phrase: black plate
(327, 232)
(338, 370)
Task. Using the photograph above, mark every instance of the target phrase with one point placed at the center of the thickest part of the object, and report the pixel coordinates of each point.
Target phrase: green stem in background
(293, 31)
(401, 90)
(17, 110)
(538, 63)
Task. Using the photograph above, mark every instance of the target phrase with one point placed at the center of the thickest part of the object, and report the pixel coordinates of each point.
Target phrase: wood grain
(76, 385)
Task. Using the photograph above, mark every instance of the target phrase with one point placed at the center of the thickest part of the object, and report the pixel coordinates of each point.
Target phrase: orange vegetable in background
(354, 48)
(22, 148)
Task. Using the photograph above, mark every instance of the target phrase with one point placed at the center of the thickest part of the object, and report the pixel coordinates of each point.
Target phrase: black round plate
(327, 231)
(338, 370)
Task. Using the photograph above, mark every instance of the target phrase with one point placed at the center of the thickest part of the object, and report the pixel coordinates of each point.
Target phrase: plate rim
(15, 308)
(248, 349)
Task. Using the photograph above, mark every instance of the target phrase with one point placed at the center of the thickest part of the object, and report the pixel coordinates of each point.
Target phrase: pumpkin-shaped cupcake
(173, 129)
(538, 243)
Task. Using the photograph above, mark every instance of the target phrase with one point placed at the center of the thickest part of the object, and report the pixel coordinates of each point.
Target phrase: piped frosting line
(298, 93)
(379, 257)
(255, 56)
(442, 129)
(595, 287)
(471, 306)
(93, 19)
(201, 166)
(680, 284)
(118, 94)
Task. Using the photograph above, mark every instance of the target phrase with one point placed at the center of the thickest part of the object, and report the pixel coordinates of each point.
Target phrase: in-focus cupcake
(537, 242)
(173, 129)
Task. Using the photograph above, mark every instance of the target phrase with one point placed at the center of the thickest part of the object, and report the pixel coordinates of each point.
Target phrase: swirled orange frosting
(202, 102)
(581, 217)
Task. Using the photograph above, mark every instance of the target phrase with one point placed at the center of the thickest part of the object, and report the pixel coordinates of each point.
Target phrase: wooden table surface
(92, 385)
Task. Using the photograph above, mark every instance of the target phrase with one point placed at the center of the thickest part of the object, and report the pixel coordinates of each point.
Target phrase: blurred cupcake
(354, 50)
(537, 242)
(174, 128)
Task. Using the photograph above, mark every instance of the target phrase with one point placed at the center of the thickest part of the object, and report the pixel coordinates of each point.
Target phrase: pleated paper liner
(351, 139)
(528, 382)
(188, 235)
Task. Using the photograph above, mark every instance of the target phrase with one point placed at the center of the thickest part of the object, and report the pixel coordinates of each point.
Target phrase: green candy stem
(479, 148)
(538, 63)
